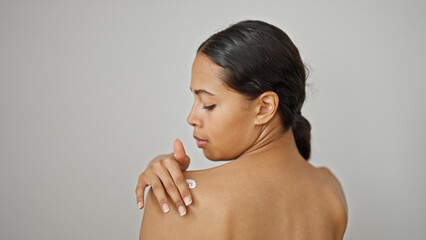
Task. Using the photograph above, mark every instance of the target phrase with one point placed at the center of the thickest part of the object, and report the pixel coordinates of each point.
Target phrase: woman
(249, 87)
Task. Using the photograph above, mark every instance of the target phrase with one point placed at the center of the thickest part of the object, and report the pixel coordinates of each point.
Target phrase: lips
(200, 142)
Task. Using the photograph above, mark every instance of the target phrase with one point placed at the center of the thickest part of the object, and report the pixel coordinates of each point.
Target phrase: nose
(192, 118)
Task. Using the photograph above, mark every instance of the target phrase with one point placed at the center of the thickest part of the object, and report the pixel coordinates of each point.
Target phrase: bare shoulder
(335, 196)
(331, 181)
(225, 197)
(202, 219)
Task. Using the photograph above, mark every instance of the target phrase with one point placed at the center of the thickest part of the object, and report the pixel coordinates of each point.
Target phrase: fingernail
(139, 205)
(166, 208)
(182, 210)
(187, 201)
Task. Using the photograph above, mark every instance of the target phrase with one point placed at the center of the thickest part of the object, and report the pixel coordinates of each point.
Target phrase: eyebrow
(199, 91)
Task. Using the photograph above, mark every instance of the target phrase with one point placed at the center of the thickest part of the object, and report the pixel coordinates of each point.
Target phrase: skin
(164, 173)
(267, 191)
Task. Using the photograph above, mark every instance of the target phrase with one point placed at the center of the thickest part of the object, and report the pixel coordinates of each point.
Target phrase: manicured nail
(182, 210)
(139, 205)
(187, 201)
(166, 208)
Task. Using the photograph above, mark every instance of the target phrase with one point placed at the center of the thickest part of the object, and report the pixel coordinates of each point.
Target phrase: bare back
(235, 201)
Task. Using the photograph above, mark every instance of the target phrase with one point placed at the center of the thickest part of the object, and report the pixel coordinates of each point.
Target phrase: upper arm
(151, 220)
(337, 202)
(335, 185)
(159, 225)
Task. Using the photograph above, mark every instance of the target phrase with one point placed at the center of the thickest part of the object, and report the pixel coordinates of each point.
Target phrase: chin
(216, 157)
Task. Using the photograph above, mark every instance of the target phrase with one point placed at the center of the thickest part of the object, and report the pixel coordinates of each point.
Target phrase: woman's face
(219, 115)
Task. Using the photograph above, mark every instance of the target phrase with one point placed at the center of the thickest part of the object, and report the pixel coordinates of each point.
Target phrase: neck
(272, 145)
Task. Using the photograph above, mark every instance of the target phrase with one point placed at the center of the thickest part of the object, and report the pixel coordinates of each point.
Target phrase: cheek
(229, 135)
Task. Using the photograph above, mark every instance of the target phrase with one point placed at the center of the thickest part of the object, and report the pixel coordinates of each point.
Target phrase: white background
(91, 91)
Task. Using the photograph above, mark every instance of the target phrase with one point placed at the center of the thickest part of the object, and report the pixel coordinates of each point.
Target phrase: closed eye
(209, 107)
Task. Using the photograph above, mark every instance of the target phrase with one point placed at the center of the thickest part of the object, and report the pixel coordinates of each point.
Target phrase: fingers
(159, 193)
(180, 155)
(140, 191)
(178, 150)
(164, 175)
(157, 188)
(181, 184)
(169, 184)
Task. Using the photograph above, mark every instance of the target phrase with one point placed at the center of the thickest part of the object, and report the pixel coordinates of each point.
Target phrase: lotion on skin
(191, 183)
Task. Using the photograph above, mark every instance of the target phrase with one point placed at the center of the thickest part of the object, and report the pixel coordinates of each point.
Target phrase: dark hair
(258, 57)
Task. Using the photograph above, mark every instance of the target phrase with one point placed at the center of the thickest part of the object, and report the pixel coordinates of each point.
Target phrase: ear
(266, 106)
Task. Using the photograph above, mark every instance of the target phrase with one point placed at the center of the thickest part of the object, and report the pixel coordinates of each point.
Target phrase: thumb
(178, 150)
(180, 154)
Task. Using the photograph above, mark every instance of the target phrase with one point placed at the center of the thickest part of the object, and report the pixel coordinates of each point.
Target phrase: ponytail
(302, 134)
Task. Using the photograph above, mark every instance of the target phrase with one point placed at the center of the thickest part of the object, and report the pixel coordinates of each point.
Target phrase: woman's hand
(166, 170)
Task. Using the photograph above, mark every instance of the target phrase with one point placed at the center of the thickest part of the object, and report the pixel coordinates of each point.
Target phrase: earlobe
(267, 105)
